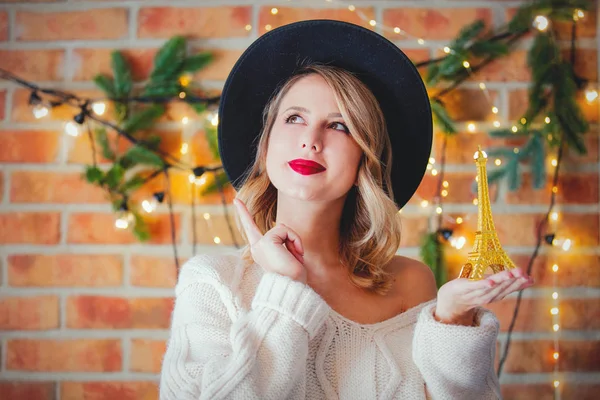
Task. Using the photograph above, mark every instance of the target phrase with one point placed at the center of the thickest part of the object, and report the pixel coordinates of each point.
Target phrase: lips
(306, 167)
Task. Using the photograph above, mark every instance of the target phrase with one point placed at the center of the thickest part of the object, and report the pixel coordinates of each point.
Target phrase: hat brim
(382, 66)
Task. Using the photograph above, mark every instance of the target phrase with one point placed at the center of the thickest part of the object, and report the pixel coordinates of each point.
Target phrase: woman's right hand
(279, 250)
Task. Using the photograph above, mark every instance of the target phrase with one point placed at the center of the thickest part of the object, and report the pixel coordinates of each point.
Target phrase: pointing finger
(252, 232)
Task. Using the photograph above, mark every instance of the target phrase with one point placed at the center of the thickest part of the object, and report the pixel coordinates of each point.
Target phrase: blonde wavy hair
(370, 224)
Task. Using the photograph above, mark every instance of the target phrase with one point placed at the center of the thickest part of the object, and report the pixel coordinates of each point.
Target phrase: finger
(502, 276)
(519, 284)
(291, 248)
(252, 232)
(492, 289)
(496, 292)
(283, 232)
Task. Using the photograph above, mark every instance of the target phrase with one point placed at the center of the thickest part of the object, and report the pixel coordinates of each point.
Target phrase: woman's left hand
(458, 298)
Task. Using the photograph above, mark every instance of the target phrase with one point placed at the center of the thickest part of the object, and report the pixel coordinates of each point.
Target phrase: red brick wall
(84, 310)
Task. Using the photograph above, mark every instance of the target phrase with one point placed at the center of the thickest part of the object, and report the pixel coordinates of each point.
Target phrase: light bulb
(351, 7)
(445, 184)
(99, 108)
(555, 268)
(372, 22)
(438, 210)
(424, 203)
(555, 295)
(150, 205)
(248, 27)
(444, 193)
(184, 148)
(556, 384)
(541, 23)
(554, 311)
(591, 95)
(458, 242)
(471, 127)
(206, 216)
(459, 220)
(498, 161)
(555, 355)
(496, 124)
(215, 120)
(495, 110)
(217, 240)
(40, 111)
(268, 27)
(554, 216)
(555, 327)
(434, 172)
(72, 128)
(185, 120)
(274, 10)
(124, 219)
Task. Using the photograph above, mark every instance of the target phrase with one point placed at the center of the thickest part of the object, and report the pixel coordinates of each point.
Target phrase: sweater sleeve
(260, 353)
(457, 362)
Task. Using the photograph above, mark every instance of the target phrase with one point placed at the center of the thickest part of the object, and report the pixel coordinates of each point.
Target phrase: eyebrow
(305, 110)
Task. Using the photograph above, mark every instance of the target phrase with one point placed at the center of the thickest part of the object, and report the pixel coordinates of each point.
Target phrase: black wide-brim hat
(383, 67)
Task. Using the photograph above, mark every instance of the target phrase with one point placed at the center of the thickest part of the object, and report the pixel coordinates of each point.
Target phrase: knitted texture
(241, 333)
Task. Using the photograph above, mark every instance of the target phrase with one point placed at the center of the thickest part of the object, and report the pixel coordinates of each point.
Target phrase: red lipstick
(306, 167)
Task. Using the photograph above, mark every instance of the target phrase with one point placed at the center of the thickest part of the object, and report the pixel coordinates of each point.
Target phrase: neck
(317, 224)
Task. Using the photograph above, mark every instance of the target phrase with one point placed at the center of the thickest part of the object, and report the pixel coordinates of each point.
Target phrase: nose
(312, 139)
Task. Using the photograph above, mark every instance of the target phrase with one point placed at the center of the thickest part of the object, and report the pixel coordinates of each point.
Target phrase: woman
(318, 305)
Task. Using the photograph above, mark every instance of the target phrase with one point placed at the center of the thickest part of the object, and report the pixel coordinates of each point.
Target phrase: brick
(30, 390)
(109, 390)
(534, 314)
(53, 187)
(29, 146)
(573, 188)
(100, 228)
(215, 226)
(147, 355)
(536, 356)
(287, 15)
(571, 156)
(580, 391)
(586, 62)
(1, 187)
(434, 24)
(29, 313)
(90, 62)
(3, 25)
(528, 391)
(55, 355)
(574, 269)
(94, 24)
(2, 104)
(512, 67)
(153, 271)
(100, 312)
(29, 228)
(470, 104)
(413, 229)
(64, 270)
(37, 65)
(197, 22)
(220, 66)
(586, 27)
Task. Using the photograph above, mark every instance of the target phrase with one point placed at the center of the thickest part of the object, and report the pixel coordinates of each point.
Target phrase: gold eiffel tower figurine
(487, 251)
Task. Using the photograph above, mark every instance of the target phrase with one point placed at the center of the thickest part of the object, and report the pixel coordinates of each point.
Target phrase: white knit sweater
(241, 333)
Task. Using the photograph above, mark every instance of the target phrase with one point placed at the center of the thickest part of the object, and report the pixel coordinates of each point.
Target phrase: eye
(340, 127)
(294, 119)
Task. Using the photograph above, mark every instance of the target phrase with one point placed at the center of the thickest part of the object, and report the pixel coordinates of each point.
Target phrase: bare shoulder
(414, 281)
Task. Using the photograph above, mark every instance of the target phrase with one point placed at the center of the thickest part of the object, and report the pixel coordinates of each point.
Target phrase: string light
(99, 108)
(185, 120)
(184, 148)
(40, 111)
(591, 95)
(72, 128)
(124, 219)
(150, 205)
(578, 14)
(248, 28)
(459, 220)
(458, 242)
(541, 23)
(471, 127)
(274, 11)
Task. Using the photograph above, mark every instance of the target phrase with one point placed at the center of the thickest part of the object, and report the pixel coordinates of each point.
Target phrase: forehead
(310, 89)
